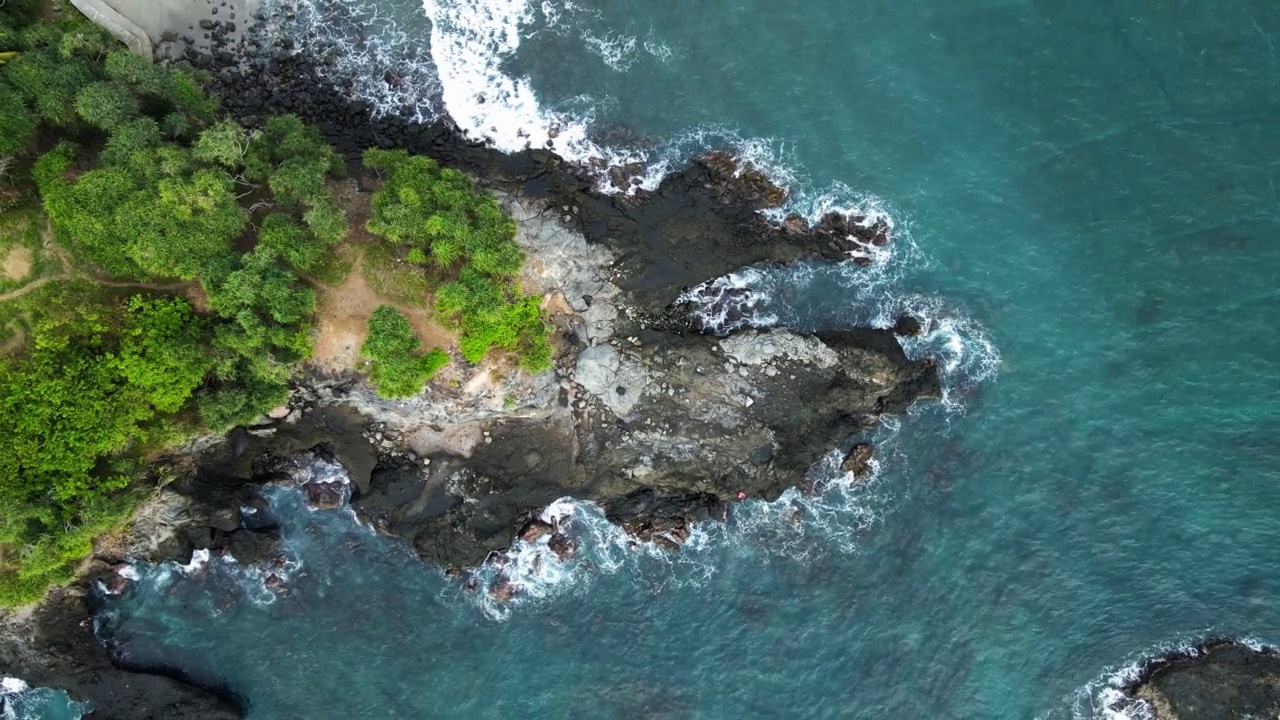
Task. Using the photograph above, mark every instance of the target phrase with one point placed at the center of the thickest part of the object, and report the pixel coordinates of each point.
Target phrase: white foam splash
(199, 561)
(731, 302)
(1103, 698)
(965, 352)
(13, 685)
(470, 41)
(535, 572)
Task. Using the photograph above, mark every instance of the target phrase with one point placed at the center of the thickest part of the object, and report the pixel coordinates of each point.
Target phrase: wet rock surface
(660, 424)
(1216, 680)
(55, 647)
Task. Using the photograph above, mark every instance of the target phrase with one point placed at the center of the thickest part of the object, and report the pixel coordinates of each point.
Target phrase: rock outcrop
(1216, 679)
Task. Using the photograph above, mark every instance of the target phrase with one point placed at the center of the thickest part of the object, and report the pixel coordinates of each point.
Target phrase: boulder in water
(503, 591)
(535, 529)
(1219, 678)
(858, 459)
(562, 546)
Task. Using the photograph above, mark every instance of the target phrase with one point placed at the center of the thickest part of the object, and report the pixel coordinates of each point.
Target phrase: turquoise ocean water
(1086, 198)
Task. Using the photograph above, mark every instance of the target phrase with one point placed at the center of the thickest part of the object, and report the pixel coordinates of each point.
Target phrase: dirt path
(34, 284)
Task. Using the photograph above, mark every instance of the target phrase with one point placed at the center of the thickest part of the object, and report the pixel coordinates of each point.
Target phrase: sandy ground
(17, 262)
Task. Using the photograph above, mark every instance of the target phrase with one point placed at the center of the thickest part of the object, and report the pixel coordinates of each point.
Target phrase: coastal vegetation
(437, 217)
(399, 366)
(170, 263)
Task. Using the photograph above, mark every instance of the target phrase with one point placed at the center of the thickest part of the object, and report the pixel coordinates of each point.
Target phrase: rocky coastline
(660, 417)
(1217, 678)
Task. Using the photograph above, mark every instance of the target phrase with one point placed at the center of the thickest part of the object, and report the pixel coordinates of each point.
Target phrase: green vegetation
(493, 313)
(95, 391)
(438, 213)
(139, 183)
(400, 368)
(156, 203)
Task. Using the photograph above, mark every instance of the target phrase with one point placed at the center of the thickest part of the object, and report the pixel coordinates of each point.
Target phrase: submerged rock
(1219, 678)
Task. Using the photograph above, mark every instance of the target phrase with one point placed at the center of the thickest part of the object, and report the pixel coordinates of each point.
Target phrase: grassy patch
(394, 278)
(22, 256)
(334, 267)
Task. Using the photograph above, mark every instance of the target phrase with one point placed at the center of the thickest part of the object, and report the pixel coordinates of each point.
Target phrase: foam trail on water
(1104, 697)
(368, 51)
(534, 570)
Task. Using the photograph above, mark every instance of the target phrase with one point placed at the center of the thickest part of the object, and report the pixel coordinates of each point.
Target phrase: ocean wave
(534, 570)
(1104, 697)
(20, 701)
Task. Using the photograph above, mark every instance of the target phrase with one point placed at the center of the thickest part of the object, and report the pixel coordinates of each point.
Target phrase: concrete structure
(145, 24)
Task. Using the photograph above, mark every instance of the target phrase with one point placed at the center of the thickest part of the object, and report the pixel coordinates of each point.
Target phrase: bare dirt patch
(343, 311)
(17, 263)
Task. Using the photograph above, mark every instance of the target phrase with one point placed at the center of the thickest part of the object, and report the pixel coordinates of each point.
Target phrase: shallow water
(18, 701)
(1085, 197)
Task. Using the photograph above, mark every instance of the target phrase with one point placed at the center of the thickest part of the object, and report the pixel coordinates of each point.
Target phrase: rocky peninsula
(1218, 678)
(666, 404)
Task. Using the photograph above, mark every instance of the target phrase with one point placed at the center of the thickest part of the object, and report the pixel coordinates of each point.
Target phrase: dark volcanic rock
(248, 546)
(907, 325)
(63, 653)
(692, 421)
(1218, 679)
(858, 459)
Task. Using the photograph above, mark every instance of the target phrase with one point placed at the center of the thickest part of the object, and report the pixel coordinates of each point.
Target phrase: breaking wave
(20, 701)
(1104, 697)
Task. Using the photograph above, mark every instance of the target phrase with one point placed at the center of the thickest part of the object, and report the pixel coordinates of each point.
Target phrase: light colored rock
(560, 258)
(758, 348)
(602, 371)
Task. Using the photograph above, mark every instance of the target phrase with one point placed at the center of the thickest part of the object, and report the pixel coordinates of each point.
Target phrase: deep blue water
(1087, 205)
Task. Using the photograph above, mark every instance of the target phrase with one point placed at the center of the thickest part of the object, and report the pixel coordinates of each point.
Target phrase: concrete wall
(144, 24)
(118, 25)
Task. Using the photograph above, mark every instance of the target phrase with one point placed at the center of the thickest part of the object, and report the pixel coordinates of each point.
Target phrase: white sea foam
(12, 685)
(725, 304)
(618, 51)
(470, 42)
(1103, 698)
(535, 572)
(199, 561)
(370, 52)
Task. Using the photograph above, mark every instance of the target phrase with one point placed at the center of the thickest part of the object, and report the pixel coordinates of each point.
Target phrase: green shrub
(225, 144)
(293, 159)
(51, 82)
(292, 242)
(130, 138)
(495, 314)
(441, 212)
(106, 105)
(17, 122)
(399, 367)
(137, 221)
(162, 351)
